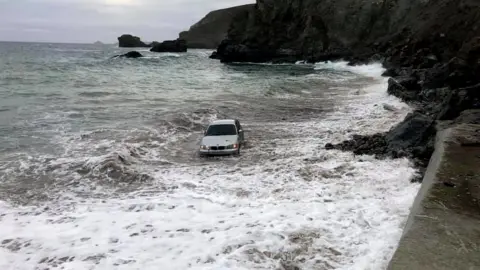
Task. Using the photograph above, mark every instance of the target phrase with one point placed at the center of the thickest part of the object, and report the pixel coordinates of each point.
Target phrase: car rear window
(220, 130)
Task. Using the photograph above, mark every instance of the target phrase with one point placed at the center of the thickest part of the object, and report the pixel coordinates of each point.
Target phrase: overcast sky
(102, 20)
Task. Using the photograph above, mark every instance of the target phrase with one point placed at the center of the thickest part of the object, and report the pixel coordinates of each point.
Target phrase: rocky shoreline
(431, 51)
(439, 95)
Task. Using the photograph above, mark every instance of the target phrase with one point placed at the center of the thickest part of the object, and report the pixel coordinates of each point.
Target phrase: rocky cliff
(213, 28)
(431, 49)
(318, 29)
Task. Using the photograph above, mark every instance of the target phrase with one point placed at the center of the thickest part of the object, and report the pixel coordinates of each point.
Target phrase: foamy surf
(285, 202)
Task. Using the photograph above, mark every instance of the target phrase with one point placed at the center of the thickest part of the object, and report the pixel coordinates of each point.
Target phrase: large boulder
(178, 45)
(414, 131)
(129, 41)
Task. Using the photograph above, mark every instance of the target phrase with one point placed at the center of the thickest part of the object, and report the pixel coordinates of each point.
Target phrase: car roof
(223, 122)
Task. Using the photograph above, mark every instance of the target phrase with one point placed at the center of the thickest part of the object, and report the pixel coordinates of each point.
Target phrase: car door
(240, 131)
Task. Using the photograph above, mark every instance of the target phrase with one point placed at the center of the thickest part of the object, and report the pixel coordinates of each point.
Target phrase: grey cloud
(91, 20)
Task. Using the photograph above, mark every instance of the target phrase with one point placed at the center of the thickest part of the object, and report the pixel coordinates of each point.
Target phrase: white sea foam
(374, 70)
(284, 201)
(162, 55)
(298, 63)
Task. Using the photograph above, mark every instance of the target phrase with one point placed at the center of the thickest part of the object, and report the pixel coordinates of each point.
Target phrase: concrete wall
(443, 230)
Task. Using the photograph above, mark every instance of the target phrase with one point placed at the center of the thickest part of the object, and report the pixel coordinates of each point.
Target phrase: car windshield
(220, 130)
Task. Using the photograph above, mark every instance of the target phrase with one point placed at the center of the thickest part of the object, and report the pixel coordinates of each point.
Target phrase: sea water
(99, 170)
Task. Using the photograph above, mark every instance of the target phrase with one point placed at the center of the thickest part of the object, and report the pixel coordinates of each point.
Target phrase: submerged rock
(132, 54)
(389, 107)
(178, 45)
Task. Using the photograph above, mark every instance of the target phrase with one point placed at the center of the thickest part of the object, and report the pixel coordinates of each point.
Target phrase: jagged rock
(396, 87)
(437, 95)
(178, 45)
(129, 41)
(436, 77)
(460, 100)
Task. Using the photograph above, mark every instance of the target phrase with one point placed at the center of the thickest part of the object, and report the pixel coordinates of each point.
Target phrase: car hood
(219, 140)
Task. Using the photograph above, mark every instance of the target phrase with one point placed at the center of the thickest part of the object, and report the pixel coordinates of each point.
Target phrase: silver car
(222, 137)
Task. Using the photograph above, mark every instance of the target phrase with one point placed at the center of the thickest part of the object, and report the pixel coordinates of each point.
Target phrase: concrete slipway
(443, 230)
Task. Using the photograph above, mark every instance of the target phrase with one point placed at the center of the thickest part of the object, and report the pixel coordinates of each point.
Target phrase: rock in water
(132, 54)
(178, 45)
(389, 107)
(214, 55)
(129, 41)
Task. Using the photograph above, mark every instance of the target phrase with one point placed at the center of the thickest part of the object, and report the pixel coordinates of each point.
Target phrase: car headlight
(232, 146)
(204, 147)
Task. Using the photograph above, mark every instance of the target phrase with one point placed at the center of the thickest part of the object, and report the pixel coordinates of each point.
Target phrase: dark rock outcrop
(213, 28)
(178, 45)
(460, 100)
(129, 41)
(411, 32)
(132, 54)
(412, 138)
(406, 87)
